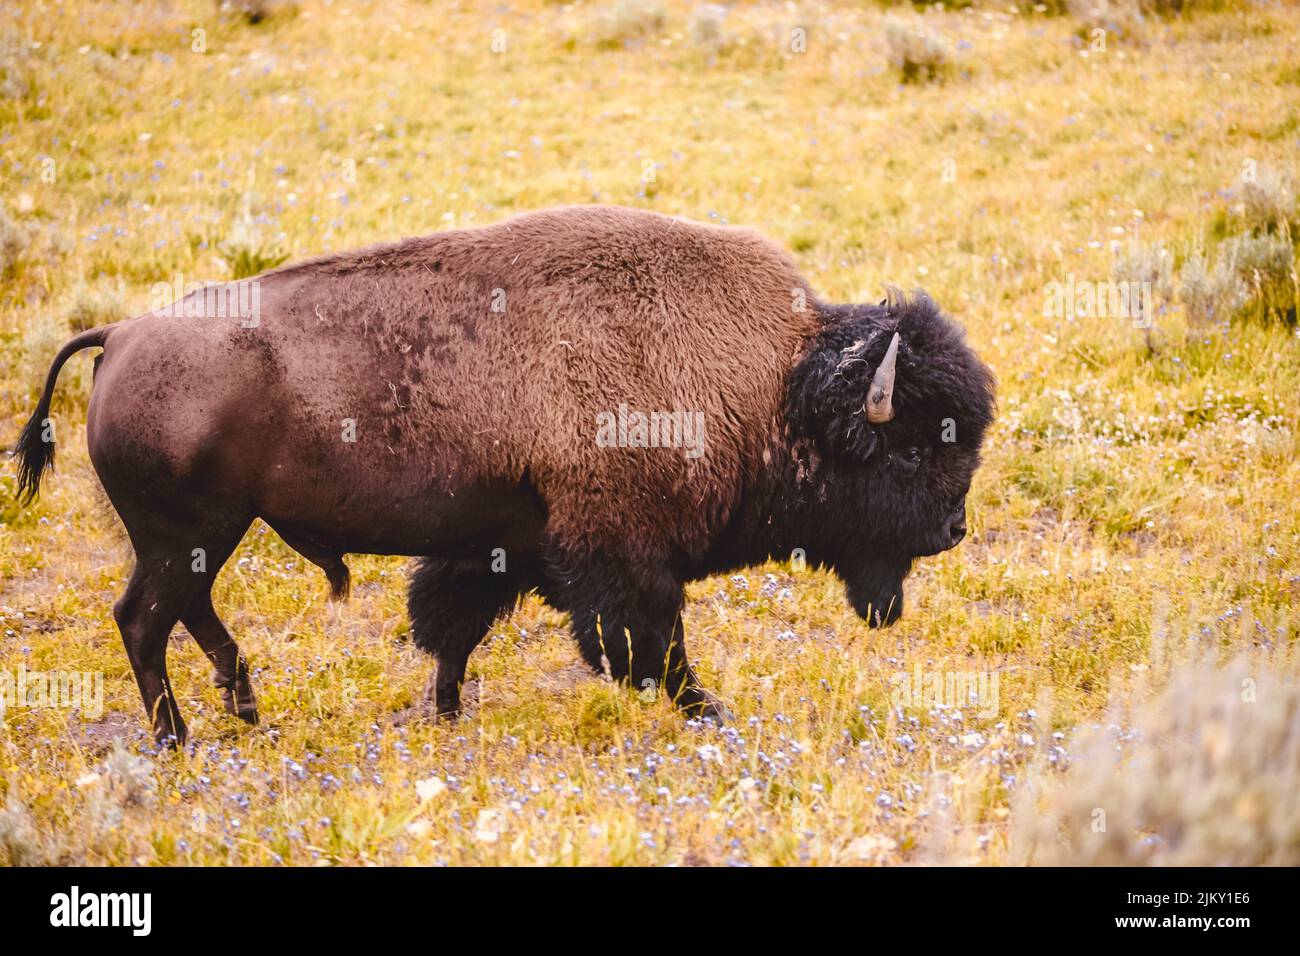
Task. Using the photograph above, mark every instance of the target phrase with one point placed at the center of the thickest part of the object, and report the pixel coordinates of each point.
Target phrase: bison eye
(907, 461)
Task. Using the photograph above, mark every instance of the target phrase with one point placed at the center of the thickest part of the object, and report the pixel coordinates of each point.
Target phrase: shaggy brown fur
(471, 368)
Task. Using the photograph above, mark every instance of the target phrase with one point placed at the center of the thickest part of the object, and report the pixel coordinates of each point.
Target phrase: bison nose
(957, 531)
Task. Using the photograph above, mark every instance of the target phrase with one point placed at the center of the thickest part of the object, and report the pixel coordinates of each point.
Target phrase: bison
(596, 403)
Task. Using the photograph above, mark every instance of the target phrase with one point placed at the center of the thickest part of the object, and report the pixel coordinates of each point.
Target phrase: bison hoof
(241, 706)
(719, 713)
(425, 711)
(170, 741)
(713, 709)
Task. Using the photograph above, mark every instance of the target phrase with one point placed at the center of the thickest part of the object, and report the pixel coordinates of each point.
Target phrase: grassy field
(1136, 526)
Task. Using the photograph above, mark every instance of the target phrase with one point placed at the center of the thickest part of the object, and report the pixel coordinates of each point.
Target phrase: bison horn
(880, 396)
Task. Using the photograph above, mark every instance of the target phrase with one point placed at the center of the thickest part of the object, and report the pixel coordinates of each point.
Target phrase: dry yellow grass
(1137, 482)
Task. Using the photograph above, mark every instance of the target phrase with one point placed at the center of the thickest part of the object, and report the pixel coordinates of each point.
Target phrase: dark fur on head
(906, 478)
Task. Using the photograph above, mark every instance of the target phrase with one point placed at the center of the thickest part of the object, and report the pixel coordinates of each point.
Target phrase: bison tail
(35, 447)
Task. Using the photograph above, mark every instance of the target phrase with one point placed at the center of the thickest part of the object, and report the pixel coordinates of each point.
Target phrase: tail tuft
(35, 454)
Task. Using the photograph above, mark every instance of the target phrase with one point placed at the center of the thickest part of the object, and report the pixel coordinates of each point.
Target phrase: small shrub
(918, 55)
(1265, 265)
(247, 249)
(14, 240)
(1147, 263)
(92, 306)
(707, 26)
(1268, 202)
(123, 784)
(1119, 18)
(41, 339)
(1209, 779)
(1210, 294)
(15, 75)
(128, 778)
(19, 840)
(1152, 265)
(628, 20)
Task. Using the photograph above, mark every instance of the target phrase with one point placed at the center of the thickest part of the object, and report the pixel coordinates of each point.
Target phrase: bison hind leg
(176, 563)
(452, 605)
(158, 591)
(232, 676)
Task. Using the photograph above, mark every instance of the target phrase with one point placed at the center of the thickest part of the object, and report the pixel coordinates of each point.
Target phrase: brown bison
(597, 403)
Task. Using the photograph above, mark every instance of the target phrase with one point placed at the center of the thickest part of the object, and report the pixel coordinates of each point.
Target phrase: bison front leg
(659, 663)
(628, 621)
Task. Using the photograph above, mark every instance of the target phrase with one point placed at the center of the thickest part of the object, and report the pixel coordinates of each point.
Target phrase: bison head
(888, 408)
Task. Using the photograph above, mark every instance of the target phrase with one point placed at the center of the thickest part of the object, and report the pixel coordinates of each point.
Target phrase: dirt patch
(98, 736)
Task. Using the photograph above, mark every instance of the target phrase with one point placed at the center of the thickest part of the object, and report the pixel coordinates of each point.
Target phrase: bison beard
(440, 398)
(876, 591)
